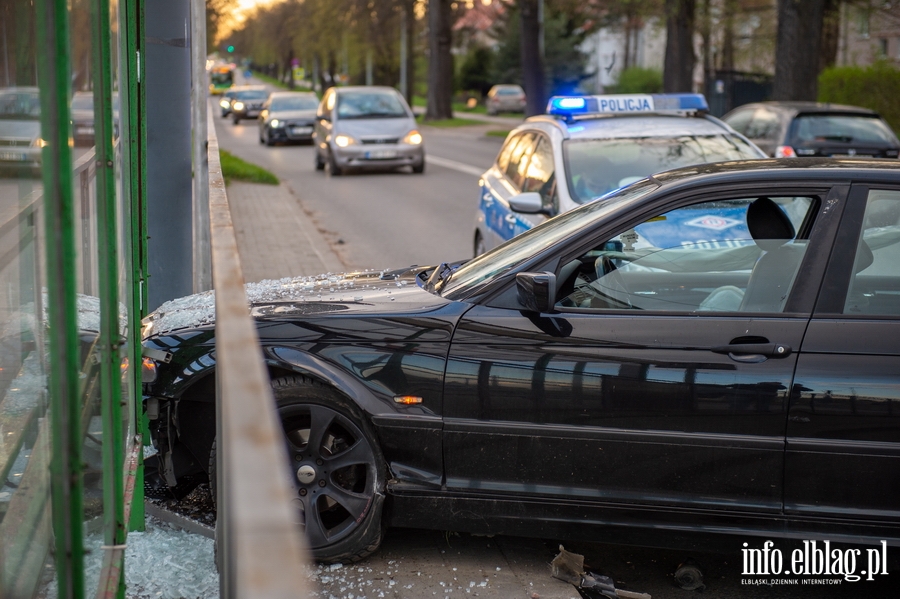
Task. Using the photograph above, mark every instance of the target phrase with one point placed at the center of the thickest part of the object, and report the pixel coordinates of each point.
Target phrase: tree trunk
(440, 64)
(678, 71)
(728, 36)
(831, 33)
(532, 61)
(410, 23)
(797, 49)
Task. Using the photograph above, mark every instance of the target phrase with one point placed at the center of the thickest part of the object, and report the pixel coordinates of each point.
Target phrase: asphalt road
(384, 219)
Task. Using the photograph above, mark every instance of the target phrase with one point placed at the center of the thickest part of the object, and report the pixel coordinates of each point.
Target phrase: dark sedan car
(798, 129)
(247, 103)
(711, 354)
(288, 116)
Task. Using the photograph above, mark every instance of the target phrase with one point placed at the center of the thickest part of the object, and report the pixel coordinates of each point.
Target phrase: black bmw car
(709, 356)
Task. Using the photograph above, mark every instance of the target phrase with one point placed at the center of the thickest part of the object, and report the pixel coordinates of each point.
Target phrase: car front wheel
(336, 468)
(479, 245)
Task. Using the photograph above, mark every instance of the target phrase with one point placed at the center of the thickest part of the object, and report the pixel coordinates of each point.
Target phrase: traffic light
(230, 49)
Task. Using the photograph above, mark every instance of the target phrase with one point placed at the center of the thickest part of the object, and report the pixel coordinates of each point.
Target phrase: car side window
(505, 151)
(735, 255)
(540, 176)
(875, 280)
(518, 159)
(739, 121)
(764, 125)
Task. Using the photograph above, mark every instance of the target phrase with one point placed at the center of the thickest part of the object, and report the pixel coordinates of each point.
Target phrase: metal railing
(260, 548)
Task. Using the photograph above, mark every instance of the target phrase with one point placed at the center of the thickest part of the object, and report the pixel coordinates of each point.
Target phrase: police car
(588, 146)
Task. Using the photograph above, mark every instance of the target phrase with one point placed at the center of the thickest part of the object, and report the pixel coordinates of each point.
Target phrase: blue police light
(571, 106)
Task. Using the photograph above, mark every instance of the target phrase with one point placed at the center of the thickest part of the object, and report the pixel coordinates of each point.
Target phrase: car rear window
(598, 166)
(841, 128)
(508, 91)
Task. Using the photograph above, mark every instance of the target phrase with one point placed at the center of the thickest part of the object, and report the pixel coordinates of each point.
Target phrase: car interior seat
(773, 274)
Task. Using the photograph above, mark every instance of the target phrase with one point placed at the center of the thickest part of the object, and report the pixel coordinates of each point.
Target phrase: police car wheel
(479, 245)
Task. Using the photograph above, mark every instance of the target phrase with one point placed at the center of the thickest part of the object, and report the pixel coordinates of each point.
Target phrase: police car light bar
(571, 106)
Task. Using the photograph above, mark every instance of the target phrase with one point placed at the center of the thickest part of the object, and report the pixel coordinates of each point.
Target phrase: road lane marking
(457, 166)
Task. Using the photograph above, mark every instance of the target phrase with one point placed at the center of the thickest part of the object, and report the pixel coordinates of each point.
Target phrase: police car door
(501, 222)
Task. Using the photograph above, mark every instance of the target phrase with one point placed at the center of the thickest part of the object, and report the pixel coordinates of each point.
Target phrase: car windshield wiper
(439, 278)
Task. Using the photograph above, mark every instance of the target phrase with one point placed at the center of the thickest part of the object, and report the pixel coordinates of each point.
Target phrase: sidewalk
(276, 238)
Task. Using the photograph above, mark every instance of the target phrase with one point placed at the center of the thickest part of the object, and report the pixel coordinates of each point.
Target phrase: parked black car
(711, 354)
(288, 116)
(792, 129)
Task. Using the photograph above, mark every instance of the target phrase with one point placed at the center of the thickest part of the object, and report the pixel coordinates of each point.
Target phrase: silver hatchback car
(366, 127)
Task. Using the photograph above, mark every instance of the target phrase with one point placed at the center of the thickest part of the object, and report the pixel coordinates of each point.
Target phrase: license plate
(13, 156)
(381, 154)
(301, 130)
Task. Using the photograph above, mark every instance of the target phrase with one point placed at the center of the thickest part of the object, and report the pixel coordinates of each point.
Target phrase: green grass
(235, 169)
(497, 133)
(449, 123)
(461, 107)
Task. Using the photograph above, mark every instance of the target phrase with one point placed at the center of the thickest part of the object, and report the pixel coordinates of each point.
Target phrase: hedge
(876, 87)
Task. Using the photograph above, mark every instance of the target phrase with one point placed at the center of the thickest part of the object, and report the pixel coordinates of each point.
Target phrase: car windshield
(253, 94)
(598, 166)
(294, 103)
(19, 105)
(484, 268)
(364, 105)
(841, 128)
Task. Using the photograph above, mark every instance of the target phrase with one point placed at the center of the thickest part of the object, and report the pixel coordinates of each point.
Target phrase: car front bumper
(378, 155)
(291, 133)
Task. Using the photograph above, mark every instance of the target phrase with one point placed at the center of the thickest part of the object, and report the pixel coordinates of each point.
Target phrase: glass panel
(875, 284)
(737, 255)
(25, 450)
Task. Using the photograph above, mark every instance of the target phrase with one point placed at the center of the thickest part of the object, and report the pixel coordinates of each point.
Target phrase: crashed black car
(710, 354)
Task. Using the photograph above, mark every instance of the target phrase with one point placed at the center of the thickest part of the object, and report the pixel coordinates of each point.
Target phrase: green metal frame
(53, 62)
(67, 393)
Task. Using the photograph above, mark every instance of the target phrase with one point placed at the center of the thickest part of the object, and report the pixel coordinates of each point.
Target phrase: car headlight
(224, 103)
(413, 138)
(276, 124)
(342, 141)
(238, 106)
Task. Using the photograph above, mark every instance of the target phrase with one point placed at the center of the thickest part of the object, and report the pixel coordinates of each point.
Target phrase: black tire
(269, 141)
(236, 120)
(261, 140)
(419, 168)
(333, 167)
(319, 163)
(479, 247)
(350, 536)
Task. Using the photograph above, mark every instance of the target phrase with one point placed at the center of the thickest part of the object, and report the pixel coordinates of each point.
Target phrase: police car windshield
(597, 166)
(475, 273)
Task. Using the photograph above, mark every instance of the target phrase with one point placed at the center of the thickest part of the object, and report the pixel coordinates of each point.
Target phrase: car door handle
(510, 218)
(769, 350)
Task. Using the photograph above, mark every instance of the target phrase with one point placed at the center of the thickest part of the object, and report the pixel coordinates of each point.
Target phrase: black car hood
(367, 293)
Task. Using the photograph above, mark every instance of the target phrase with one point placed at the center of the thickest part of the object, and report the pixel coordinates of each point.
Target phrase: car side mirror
(537, 291)
(529, 202)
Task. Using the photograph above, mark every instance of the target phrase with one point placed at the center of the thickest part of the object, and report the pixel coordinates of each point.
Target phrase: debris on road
(569, 567)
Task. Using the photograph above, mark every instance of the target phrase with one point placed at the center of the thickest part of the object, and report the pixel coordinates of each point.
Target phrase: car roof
(811, 107)
(774, 169)
(294, 93)
(635, 125)
(364, 88)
